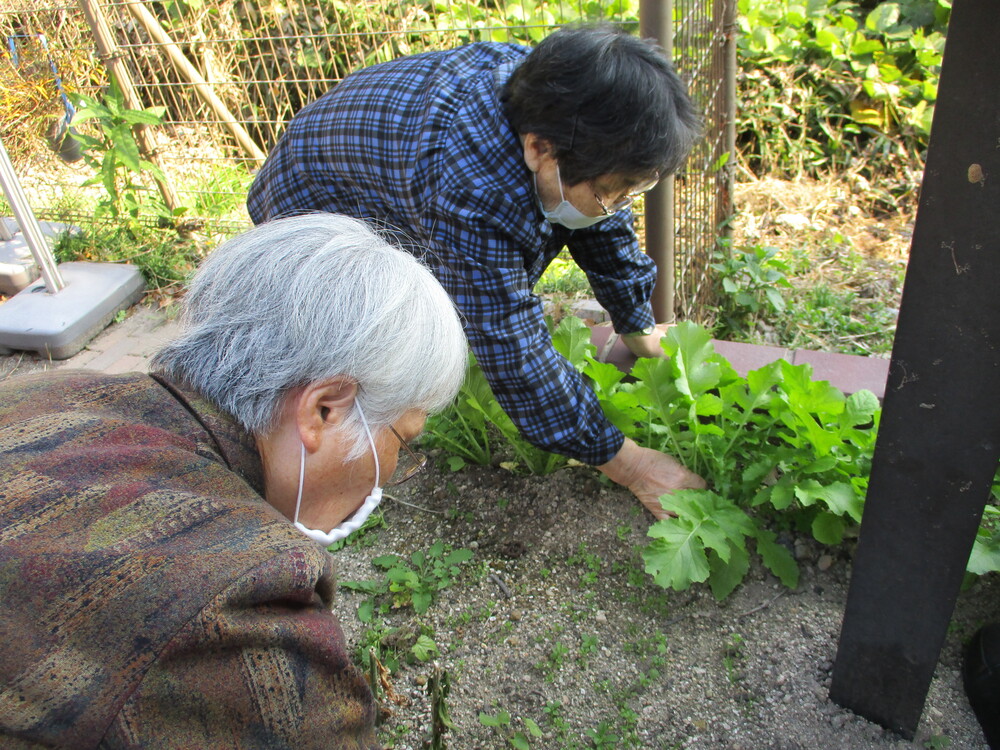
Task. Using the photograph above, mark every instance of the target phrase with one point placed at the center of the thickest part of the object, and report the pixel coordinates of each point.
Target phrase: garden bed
(554, 622)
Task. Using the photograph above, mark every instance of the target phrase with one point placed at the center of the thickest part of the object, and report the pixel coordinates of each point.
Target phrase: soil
(554, 610)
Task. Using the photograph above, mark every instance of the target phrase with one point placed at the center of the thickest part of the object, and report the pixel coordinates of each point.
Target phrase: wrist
(621, 468)
(647, 331)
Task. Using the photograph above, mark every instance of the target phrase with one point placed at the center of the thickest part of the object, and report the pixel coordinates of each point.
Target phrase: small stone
(601, 617)
(515, 615)
(839, 721)
(825, 562)
(421, 680)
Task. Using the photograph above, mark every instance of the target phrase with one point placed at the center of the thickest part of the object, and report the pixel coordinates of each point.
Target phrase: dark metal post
(656, 22)
(939, 439)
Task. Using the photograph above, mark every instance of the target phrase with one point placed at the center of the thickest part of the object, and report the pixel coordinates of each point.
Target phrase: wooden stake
(193, 76)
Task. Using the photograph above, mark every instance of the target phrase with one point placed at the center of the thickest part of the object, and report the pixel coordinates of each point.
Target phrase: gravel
(554, 622)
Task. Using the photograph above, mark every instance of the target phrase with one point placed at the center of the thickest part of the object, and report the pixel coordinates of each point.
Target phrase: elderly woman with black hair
(494, 157)
(160, 576)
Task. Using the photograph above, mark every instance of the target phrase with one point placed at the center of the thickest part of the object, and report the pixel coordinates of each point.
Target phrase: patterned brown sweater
(149, 596)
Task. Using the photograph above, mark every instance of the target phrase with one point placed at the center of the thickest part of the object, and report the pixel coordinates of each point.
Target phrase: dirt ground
(554, 610)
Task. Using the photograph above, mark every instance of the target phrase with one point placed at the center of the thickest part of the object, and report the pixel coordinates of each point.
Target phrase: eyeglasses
(622, 203)
(409, 465)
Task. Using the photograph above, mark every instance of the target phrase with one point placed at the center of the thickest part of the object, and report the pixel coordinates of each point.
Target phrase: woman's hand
(649, 474)
(647, 345)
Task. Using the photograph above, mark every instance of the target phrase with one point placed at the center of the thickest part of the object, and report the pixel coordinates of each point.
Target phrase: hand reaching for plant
(647, 345)
(649, 474)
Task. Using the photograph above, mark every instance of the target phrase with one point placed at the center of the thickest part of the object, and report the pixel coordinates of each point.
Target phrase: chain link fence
(231, 73)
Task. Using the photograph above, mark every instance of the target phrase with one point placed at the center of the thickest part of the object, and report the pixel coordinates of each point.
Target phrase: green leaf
(777, 558)
(692, 354)
(708, 405)
(502, 719)
(572, 340)
(458, 556)
(606, 377)
(860, 408)
(386, 561)
(92, 111)
(533, 728)
(828, 528)
(676, 557)
(883, 18)
(421, 601)
(151, 116)
(126, 147)
(424, 648)
(520, 742)
(839, 497)
(726, 576)
(366, 610)
(985, 556)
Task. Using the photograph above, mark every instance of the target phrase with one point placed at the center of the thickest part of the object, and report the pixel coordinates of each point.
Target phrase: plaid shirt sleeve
(543, 394)
(442, 165)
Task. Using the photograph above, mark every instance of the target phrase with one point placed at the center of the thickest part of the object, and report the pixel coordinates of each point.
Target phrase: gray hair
(298, 300)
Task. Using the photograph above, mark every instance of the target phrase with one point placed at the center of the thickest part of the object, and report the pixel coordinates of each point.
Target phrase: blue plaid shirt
(421, 145)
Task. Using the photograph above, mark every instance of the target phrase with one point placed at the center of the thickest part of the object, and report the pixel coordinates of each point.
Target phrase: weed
(749, 287)
(412, 581)
(603, 736)
(365, 536)
(164, 259)
(554, 661)
(937, 742)
(438, 687)
(588, 646)
(114, 155)
(732, 655)
(501, 721)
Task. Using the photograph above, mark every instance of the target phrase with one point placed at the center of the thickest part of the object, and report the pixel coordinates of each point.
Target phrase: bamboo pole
(193, 76)
(109, 55)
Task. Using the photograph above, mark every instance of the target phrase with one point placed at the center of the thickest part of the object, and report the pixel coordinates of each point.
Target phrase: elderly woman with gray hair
(160, 577)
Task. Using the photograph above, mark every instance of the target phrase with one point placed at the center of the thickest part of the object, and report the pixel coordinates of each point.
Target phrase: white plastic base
(59, 325)
(17, 266)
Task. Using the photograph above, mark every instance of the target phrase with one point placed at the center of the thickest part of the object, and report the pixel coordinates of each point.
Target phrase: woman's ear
(537, 151)
(322, 406)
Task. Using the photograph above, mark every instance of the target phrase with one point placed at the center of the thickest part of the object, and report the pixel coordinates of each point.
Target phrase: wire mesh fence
(231, 73)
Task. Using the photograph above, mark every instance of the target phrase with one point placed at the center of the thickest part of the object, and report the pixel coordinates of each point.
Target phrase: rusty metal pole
(656, 22)
(939, 438)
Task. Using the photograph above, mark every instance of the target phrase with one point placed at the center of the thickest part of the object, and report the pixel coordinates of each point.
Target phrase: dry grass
(836, 237)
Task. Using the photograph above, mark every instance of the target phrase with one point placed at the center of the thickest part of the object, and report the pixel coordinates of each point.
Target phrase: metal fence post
(656, 22)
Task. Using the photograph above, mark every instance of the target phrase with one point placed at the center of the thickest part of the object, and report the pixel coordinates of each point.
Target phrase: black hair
(607, 103)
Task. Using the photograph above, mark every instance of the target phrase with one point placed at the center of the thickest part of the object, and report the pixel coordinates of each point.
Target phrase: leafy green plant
(410, 581)
(472, 425)
(749, 282)
(603, 736)
(773, 441)
(825, 81)
(778, 449)
(114, 155)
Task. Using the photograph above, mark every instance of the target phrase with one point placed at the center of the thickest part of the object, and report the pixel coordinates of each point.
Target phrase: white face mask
(566, 213)
(353, 523)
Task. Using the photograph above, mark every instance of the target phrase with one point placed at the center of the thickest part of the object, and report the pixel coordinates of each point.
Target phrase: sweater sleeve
(263, 665)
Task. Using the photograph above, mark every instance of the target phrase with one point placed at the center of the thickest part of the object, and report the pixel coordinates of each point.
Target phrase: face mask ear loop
(371, 442)
(302, 475)
(562, 196)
